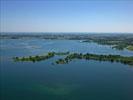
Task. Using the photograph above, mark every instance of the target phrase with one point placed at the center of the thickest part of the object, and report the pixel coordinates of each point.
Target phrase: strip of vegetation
(35, 58)
(87, 56)
(71, 56)
(40, 57)
(61, 53)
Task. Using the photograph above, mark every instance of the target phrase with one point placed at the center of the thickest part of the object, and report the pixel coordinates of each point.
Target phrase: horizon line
(66, 32)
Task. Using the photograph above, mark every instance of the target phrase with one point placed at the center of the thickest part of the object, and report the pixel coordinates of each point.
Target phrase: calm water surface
(78, 80)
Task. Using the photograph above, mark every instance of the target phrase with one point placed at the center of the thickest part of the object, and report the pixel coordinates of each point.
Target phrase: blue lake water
(78, 80)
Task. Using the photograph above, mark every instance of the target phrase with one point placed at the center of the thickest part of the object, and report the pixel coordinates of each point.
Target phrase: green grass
(130, 47)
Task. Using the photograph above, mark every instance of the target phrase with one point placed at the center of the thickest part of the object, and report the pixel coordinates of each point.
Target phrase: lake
(78, 80)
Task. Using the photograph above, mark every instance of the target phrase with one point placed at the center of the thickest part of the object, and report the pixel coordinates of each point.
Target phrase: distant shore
(117, 41)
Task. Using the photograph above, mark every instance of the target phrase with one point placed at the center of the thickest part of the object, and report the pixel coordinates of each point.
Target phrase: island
(67, 57)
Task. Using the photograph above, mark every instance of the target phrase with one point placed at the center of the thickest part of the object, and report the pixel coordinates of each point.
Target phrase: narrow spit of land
(71, 56)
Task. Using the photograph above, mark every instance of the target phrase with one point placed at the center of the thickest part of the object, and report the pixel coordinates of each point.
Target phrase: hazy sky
(66, 16)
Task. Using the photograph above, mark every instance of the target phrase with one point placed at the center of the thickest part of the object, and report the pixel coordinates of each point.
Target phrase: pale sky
(66, 16)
